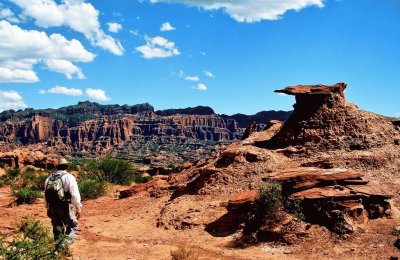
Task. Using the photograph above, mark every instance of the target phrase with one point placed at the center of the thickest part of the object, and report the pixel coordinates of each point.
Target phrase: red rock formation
(25, 156)
(323, 120)
(107, 131)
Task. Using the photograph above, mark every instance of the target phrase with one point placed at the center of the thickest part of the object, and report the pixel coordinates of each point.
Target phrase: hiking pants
(64, 222)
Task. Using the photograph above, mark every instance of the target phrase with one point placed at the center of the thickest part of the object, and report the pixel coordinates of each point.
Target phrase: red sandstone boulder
(243, 198)
(313, 89)
(152, 188)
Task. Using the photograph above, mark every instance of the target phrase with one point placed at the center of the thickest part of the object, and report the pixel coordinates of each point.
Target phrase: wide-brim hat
(63, 161)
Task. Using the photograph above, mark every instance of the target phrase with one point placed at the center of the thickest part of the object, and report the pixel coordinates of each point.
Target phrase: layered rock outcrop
(323, 120)
(357, 158)
(185, 134)
(108, 131)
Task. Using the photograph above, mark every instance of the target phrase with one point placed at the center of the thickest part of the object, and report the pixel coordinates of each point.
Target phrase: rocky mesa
(353, 179)
(100, 129)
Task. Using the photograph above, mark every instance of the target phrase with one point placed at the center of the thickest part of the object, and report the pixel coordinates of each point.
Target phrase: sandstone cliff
(97, 128)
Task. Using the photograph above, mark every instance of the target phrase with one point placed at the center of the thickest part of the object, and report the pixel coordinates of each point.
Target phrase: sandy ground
(126, 229)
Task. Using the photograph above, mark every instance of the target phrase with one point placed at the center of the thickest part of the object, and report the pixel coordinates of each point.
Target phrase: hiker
(61, 192)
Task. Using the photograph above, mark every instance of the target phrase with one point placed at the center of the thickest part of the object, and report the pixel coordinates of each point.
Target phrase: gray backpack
(54, 191)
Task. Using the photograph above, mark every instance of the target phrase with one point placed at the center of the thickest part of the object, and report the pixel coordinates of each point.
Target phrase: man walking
(61, 192)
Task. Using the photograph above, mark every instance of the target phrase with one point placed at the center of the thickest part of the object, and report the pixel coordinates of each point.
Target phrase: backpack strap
(54, 177)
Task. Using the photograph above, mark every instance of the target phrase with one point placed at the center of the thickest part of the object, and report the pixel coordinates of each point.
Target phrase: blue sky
(229, 55)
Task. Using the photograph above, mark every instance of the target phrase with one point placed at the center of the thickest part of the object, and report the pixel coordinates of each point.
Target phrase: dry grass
(183, 252)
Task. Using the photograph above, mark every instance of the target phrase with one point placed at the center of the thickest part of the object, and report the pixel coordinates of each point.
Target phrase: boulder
(152, 188)
(341, 199)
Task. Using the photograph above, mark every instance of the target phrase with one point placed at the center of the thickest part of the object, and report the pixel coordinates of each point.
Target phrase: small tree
(33, 240)
(269, 203)
(113, 170)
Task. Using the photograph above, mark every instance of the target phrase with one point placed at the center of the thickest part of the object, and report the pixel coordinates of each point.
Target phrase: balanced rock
(323, 120)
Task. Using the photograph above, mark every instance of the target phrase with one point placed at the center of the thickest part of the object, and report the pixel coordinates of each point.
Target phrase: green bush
(270, 202)
(29, 169)
(295, 208)
(39, 180)
(26, 195)
(35, 180)
(91, 187)
(142, 179)
(74, 167)
(113, 170)
(13, 173)
(33, 241)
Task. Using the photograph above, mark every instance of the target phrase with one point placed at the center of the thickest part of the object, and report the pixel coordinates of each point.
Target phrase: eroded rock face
(340, 199)
(108, 131)
(24, 157)
(323, 120)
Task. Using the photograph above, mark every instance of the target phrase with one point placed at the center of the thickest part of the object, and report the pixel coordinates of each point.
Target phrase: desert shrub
(39, 180)
(296, 209)
(73, 167)
(113, 170)
(172, 166)
(13, 173)
(396, 231)
(33, 178)
(138, 178)
(26, 195)
(9, 178)
(183, 253)
(26, 185)
(29, 169)
(33, 241)
(269, 203)
(92, 186)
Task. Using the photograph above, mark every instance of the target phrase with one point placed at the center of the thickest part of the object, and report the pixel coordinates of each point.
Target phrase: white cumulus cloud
(209, 74)
(167, 27)
(157, 47)
(11, 100)
(187, 77)
(114, 27)
(75, 14)
(201, 86)
(192, 78)
(64, 91)
(250, 10)
(8, 15)
(97, 94)
(5, 13)
(17, 76)
(65, 67)
(21, 49)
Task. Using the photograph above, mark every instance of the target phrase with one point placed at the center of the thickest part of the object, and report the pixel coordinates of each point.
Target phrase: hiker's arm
(75, 195)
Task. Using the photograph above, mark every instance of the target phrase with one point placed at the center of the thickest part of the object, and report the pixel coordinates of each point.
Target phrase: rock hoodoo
(323, 120)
